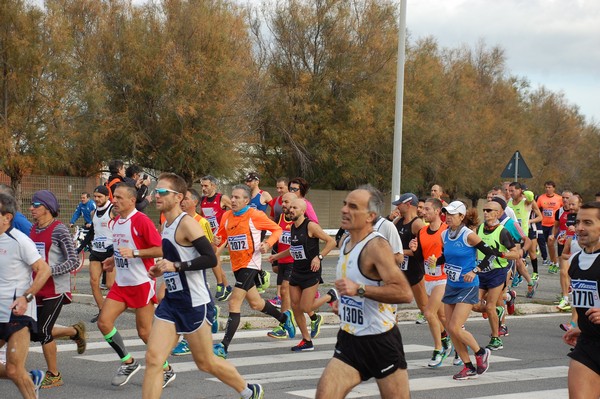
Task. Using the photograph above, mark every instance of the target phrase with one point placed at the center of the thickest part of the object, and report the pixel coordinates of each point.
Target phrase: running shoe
(503, 331)
(315, 326)
(317, 295)
(531, 288)
(80, 337)
(257, 391)
(553, 269)
(446, 347)
(215, 321)
(495, 344)
(567, 326)
(219, 350)
(220, 292)
(37, 376)
(181, 349)
(333, 294)
(483, 361)
(436, 359)
(457, 360)
(125, 372)
(303, 346)
(226, 293)
(95, 318)
(168, 376)
(516, 281)
(288, 325)
(510, 304)
(484, 315)
(564, 305)
(276, 301)
(266, 279)
(277, 332)
(421, 319)
(103, 286)
(535, 276)
(465, 374)
(51, 380)
(546, 262)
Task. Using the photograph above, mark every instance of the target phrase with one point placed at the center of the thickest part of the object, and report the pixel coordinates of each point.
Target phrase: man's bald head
(297, 209)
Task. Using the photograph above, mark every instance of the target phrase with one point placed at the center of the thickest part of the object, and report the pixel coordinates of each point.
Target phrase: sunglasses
(488, 210)
(36, 204)
(294, 189)
(164, 191)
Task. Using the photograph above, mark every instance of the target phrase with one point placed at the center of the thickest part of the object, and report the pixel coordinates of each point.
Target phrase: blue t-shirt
(460, 258)
(21, 223)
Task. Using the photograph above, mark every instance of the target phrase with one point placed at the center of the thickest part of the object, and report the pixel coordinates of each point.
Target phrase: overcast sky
(555, 43)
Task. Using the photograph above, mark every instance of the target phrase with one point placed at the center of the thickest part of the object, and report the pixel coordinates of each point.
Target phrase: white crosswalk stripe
(252, 349)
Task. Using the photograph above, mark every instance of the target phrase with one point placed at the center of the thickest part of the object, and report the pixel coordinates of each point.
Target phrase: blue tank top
(460, 258)
(255, 202)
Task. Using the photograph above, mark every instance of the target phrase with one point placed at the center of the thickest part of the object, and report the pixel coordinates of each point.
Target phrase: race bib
(297, 252)
(404, 265)
(352, 310)
(453, 272)
(548, 213)
(41, 248)
(120, 262)
(212, 220)
(99, 244)
(173, 282)
(286, 238)
(238, 243)
(585, 294)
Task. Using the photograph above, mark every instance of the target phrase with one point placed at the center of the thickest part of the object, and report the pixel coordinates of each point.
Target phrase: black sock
(314, 316)
(470, 365)
(444, 334)
(233, 322)
(274, 312)
(534, 265)
(480, 352)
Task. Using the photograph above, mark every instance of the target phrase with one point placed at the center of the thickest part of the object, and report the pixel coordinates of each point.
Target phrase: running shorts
(134, 296)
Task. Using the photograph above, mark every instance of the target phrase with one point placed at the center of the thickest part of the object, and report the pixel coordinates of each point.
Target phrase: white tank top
(362, 316)
(103, 234)
(187, 288)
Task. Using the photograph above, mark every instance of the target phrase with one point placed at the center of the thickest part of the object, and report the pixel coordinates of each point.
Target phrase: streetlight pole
(397, 152)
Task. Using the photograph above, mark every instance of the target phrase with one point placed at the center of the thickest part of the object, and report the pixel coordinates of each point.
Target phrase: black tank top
(303, 248)
(406, 234)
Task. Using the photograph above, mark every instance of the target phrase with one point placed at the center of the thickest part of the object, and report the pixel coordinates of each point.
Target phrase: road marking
(430, 383)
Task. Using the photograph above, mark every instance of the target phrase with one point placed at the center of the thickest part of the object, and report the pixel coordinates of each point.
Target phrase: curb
(258, 322)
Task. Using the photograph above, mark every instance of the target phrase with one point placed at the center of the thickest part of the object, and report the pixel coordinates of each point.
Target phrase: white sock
(246, 393)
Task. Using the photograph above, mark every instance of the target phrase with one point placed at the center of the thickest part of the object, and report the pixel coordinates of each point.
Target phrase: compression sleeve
(206, 260)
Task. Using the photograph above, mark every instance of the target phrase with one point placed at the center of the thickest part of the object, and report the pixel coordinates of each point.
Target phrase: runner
(55, 245)
(584, 368)
(567, 225)
(300, 187)
(136, 243)
(241, 228)
(438, 192)
(19, 257)
(549, 203)
(459, 259)
(409, 224)
(19, 221)
(213, 206)
(141, 182)
(559, 230)
(101, 237)
(306, 272)
(189, 205)
(370, 283)
(285, 263)
(427, 247)
(187, 307)
(86, 209)
(259, 199)
(492, 282)
(276, 206)
(116, 168)
(571, 247)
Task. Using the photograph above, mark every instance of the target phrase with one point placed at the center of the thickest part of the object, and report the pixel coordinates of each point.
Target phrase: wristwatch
(361, 291)
(320, 257)
(136, 253)
(29, 297)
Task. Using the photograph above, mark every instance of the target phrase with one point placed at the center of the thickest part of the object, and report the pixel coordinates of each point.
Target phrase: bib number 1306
(352, 315)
